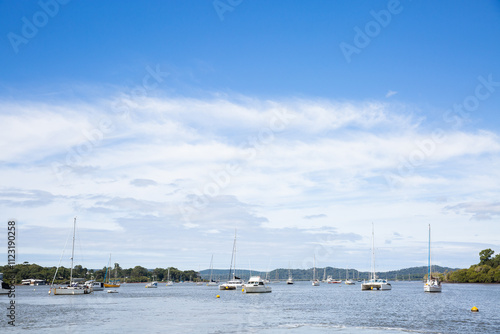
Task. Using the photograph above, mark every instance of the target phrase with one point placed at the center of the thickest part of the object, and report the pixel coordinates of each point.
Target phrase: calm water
(299, 308)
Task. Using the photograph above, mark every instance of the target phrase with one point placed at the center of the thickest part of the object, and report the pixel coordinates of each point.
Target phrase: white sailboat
(290, 278)
(211, 282)
(234, 282)
(169, 282)
(348, 281)
(375, 283)
(315, 281)
(73, 288)
(433, 284)
(153, 284)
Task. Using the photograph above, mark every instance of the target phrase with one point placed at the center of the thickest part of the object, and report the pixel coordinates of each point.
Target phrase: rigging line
(81, 252)
(60, 259)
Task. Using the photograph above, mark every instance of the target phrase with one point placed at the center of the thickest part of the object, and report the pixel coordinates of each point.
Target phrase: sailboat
(153, 284)
(169, 282)
(73, 288)
(347, 280)
(433, 284)
(315, 281)
(109, 283)
(211, 282)
(277, 280)
(375, 283)
(290, 278)
(233, 282)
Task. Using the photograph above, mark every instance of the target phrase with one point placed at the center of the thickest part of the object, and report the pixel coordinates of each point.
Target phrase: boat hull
(376, 286)
(432, 288)
(71, 291)
(231, 285)
(256, 285)
(257, 289)
(108, 285)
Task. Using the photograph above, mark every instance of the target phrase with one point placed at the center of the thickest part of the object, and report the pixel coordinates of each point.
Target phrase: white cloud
(295, 158)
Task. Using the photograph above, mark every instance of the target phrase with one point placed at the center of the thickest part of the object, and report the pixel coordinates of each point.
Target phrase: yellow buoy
(218, 296)
(227, 287)
(243, 290)
(474, 309)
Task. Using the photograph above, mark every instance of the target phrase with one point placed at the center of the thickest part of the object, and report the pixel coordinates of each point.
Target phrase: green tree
(139, 271)
(485, 256)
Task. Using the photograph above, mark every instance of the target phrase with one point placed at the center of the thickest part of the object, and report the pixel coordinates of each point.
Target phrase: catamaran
(375, 283)
(73, 287)
(433, 284)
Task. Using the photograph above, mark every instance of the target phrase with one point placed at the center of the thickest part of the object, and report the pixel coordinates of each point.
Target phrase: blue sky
(165, 125)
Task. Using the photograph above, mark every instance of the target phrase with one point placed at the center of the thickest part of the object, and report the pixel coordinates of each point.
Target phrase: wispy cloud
(315, 216)
(390, 93)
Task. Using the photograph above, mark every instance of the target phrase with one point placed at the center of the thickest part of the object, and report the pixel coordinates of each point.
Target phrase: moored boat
(153, 284)
(256, 285)
(375, 283)
(74, 287)
(4, 287)
(315, 281)
(96, 286)
(330, 280)
(110, 283)
(234, 282)
(432, 284)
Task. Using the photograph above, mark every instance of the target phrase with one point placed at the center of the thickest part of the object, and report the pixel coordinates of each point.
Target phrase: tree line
(136, 274)
(486, 271)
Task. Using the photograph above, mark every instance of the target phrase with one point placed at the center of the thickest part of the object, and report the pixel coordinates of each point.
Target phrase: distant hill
(413, 273)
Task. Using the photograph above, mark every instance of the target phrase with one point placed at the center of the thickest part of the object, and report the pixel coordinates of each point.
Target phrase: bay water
(299, 308)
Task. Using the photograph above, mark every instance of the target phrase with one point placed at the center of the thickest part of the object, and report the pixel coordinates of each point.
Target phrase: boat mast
(72, 253)
(232, 269)
(373, 253)
(314, 269)
(234, 252)
(211, 267)
(429, 260)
